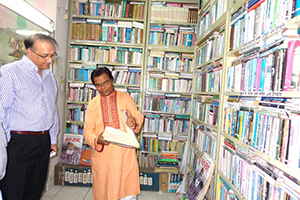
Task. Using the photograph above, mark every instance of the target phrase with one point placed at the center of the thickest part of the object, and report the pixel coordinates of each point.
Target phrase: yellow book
(134, 14)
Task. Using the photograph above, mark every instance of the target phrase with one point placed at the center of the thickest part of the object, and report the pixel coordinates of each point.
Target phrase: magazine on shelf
(198, 186)
(71, 149)
(119, 137)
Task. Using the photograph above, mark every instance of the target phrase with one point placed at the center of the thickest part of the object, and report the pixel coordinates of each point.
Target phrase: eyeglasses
(105, 83)
(52, 56)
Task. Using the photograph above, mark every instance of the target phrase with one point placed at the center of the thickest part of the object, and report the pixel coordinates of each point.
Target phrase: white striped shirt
(28, 101)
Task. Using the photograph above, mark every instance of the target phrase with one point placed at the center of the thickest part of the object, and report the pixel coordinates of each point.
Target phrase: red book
(127, 10)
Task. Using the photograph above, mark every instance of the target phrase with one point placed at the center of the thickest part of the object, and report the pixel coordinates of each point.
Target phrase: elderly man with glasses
(28, 98)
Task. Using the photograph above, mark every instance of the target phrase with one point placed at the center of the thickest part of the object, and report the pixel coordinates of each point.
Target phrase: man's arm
(3, 154)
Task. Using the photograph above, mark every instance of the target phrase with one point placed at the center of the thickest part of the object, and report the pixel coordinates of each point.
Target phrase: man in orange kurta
(114, 168)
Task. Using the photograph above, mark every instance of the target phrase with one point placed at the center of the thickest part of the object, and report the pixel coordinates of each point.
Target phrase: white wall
(59, 70)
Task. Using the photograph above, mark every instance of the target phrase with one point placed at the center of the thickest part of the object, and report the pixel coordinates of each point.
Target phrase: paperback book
(199, 185)
(71, 149)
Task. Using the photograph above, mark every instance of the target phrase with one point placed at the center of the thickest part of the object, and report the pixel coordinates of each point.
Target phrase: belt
(30, 132)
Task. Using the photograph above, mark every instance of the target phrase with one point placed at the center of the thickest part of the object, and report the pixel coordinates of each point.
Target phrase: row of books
(172, 35)
(156, 145)
(122, 32)
(76, 112)
(73, 175)
(74, 128)
(265, 127)
(81, 92)
(170, 61)
(273, 70)
(165, 124)
(206, 111)
(135, 94)
(168, 84)
(106, 54)
(86, 92)
(133, 9)
(204, 140)
(130, 77)
(148, 161)
(212, 48)
(208, 78)
(78, 72)
(250, 22)
(174, 12)
(210, 15)
(253, 178)
(159, 103)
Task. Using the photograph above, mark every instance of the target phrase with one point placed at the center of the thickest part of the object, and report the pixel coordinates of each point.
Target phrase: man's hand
(131, 123)
(55, 148)
(101, 140)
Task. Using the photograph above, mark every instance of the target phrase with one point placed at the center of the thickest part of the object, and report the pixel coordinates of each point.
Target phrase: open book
(117, 136)
(199, 185)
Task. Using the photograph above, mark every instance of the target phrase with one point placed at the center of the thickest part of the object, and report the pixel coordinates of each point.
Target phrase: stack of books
(168, 162)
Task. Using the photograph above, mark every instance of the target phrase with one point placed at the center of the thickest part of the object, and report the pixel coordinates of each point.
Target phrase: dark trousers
(27, 166)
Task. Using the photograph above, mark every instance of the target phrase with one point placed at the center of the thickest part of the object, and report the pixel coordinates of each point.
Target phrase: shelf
(211, 127)
(235, 52)
(103, 43)
(176, 1)
(293, 23)
(237, 5)
(177, 115)
(102, 63)
(74, 122)
(164, 71)
(207, 93)
(125, 85)
(172, 23)
(107, 18)
(171, 48)
(79, 82)
(236, 192)
(204, 7)
(166, 93)
(196, 149)
(216, 26)
(269, 94)
(78, 102)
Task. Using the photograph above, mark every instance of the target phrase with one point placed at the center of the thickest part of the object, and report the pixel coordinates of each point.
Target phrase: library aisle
(58, 192)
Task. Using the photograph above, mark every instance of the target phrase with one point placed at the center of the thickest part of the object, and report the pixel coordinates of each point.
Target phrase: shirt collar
(28, 63)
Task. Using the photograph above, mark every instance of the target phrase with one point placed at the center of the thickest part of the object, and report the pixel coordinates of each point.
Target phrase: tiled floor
(85, 193)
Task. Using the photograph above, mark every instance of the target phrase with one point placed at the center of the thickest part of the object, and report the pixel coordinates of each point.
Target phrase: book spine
(289, 64)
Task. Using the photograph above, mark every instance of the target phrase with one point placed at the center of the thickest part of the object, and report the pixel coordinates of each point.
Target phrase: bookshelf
(107, 33)
(253, 130)
(169, 62)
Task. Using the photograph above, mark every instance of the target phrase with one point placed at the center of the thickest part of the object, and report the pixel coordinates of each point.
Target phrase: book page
(117, 136)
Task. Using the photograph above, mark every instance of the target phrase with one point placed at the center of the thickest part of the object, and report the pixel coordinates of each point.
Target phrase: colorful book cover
(198, 186)
(71, 149)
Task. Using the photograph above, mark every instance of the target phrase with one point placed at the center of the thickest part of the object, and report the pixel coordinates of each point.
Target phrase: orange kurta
(115, 169)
